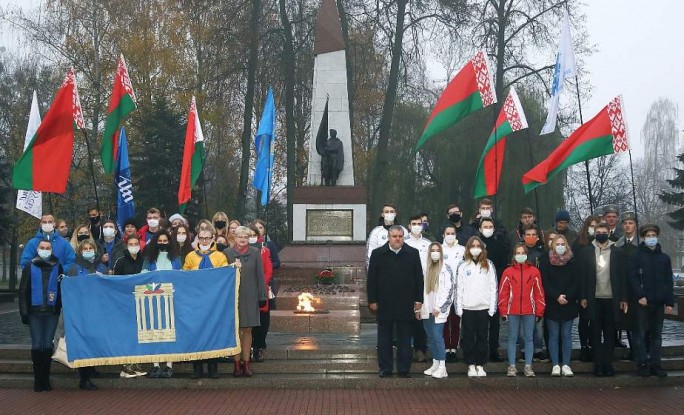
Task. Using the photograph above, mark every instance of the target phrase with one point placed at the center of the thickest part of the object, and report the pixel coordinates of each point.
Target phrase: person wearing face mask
(379, 235)
(417, 241)
(584, 239)
(604, 274)
(521, 302)
(220, 222)
(181, 234)
(527, 219)
(629, 242)
(94, 226)
(562, 226)
(81, 233)
(63, 229)
(61, 248)
(650, 275)
(455, 218)
(425, 218)
(260, 332)
(453, 255)
(497, 252)
(40, 303)
(475, 300)
(561, 279)
(110, 246)
(438, 296)
(146, 233)
(534, 244)
(486, 211)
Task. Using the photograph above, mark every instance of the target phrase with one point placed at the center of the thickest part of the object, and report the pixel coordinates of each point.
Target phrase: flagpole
(496, 165)
(92, 170)
(636, 213)
(586, 162)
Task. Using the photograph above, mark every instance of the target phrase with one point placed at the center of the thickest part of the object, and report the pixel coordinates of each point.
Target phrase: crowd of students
(97, 247)
(609, 277)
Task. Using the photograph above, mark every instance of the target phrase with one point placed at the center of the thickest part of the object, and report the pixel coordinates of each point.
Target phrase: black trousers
(494, 326)
(260, 332)
(474, 326)
(603, 328)
(419, 336)
(584, 327)
(404, 329)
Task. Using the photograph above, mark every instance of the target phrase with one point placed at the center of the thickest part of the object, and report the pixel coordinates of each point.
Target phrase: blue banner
(150, 317)
(125, 207)
(264, 149)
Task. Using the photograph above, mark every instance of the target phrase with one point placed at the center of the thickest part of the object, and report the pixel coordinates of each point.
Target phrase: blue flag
(156, 316)
(264, 148)
(125, 207)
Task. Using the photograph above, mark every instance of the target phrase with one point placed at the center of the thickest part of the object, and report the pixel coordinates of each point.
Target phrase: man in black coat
(395, 294)
(603, 293)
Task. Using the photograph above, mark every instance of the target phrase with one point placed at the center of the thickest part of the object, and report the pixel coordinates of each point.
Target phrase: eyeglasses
(208, 238)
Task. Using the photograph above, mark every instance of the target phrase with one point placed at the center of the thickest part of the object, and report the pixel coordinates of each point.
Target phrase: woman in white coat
(437, 299)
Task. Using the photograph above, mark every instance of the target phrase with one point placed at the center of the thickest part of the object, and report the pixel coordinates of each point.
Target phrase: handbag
(60, 354)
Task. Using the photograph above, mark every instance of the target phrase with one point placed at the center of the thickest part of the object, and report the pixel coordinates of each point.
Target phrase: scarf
(559, 260)
(206, 261)
(37, 286)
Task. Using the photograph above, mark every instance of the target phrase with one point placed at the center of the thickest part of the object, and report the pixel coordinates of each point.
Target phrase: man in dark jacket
(395, 294)
(455, 218)
(604, 275)
(650, 275)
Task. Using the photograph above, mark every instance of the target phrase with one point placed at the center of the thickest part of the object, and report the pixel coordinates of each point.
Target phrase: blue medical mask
(651, 241)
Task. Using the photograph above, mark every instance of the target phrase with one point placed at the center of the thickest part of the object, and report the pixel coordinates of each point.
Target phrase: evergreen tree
(676, 198)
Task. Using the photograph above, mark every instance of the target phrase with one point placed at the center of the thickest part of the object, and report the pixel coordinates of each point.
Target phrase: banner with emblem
(151, 317)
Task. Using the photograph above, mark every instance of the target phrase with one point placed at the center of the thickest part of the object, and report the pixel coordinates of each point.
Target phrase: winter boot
(237, 368)
(47, 363)
(37, 358)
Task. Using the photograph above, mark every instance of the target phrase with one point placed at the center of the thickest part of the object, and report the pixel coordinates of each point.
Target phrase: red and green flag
(604, 134)
(193, 157)
(471, 89)
(44, 166)
(511, 119)
(121, 104)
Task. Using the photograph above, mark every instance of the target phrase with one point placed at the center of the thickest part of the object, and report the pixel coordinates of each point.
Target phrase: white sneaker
(480, 372)
(440, 373)
(528, 371)
(429, 371)
(127, 373)
(567, 371)
(556, 370)
(511, 371)
(472, 372)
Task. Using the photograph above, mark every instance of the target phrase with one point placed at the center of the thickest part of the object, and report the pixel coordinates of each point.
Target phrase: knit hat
(177, 216)
(649, 227)
(562, 215)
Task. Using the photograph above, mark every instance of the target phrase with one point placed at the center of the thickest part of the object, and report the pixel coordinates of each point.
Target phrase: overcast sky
(640, 54)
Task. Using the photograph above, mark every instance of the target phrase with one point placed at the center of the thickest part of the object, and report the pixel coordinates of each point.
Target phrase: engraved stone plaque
(335, 225)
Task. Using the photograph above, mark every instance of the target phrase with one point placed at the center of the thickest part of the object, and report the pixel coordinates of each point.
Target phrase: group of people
(97, 247)
(452, 292)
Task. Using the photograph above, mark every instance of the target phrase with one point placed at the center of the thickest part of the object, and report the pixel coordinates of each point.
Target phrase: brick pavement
(665, 400)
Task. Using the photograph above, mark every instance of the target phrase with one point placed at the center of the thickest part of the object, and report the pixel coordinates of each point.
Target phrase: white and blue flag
(125, 207)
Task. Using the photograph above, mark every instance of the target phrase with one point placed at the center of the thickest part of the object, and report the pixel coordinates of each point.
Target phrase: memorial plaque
(334, 225)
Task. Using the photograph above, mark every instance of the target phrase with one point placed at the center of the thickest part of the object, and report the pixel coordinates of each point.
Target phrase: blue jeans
(435, 338)
(42, 328)
(538, 335)
(565, 329)
(514, 323)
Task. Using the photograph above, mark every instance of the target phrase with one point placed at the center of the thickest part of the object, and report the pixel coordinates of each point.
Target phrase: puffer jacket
(521, 291)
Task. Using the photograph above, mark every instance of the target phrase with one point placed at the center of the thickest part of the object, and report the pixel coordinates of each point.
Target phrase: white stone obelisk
(330, 80)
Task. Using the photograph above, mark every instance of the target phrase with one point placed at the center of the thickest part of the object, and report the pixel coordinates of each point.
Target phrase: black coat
(126, 265)
(395, 282)
(650, 276)
(25, 307)
(618, 276)
(558, 280)
(463, 233)
(498, 252)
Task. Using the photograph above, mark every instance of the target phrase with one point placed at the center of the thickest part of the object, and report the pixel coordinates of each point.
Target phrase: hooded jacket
(61, 248)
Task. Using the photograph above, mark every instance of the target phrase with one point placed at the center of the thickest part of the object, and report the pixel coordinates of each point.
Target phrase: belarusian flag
(120, 104)
(604, 134)
(44, 166)
(511, 119)
(193, 157)
(471, 89)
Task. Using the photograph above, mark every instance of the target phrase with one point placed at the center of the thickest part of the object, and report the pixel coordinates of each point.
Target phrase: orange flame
(305, 302)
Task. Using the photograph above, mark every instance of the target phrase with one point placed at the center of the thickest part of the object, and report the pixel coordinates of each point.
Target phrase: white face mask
(181, 238)
(44, 253)
(389, 217)
(590, 230)
(133, 249)
(253, 239)
(475, 252)
(108, 232)
(520, 258)
(47, 227)
(450, 239)
(204, 247)
(487, 233)
(416, 229)
(435, 256)
(152, 223)
(560, 249)
(486, 213)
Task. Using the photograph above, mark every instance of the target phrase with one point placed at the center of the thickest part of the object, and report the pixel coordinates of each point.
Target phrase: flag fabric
(125, 206)
(564, 69)
(193, 157)
(471, 89)
(264, 147)
(322, 133)
(44, 166)
(511, 118)
(121, 104)
(157, 316)
(604, 134)
(30, 201)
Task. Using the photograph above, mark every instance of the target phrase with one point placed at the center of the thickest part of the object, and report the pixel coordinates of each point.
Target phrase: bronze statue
(332, 159)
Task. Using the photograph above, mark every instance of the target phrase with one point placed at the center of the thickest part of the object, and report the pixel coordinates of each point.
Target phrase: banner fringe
(155, 358)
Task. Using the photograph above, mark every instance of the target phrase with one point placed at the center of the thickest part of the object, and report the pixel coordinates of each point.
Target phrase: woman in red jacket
(259, 333)
(521, 301)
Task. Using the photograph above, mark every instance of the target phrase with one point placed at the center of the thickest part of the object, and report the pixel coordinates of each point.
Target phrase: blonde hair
(554, 241)
(74, 237)
(243, 231)
(433, 269)
(482, 258)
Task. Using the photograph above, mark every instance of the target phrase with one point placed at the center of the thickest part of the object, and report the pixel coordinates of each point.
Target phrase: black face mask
(601, 238)
(163, 247)
(455, 217)
(220, 224)
(221, 247)
(95, 220)
(82, 238)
